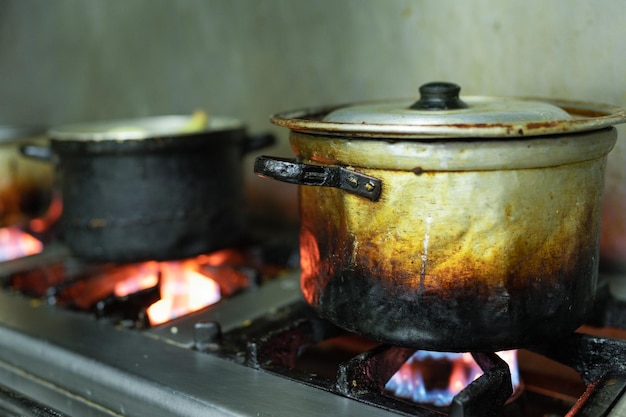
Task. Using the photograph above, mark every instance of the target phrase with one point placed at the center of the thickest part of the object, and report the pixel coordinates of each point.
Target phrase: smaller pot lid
(440, 112)
(145, 128)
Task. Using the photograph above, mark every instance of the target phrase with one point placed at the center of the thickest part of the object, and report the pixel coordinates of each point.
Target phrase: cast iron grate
(599, 361)
(276, 342)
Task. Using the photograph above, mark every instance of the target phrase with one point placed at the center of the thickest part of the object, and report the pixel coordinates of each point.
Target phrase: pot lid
(440, 112)
(145, 128)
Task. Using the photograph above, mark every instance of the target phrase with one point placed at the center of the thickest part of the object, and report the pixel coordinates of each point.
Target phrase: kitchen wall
(76, 60)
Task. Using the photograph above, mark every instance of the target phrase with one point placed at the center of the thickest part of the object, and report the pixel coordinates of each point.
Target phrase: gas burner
(283, 350)
(295, 343)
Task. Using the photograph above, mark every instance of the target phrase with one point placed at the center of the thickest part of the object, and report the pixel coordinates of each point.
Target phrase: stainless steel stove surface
(231, 359)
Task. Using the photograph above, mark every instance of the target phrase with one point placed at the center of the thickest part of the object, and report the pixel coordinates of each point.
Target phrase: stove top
(244, 357)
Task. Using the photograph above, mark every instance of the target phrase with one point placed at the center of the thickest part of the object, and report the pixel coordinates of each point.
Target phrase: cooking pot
(613, 227)
(25, 185)
(451, 224)
(151, 188)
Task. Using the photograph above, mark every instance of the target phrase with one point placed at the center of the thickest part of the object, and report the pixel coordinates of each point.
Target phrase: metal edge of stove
(79, 364)
(232, 313)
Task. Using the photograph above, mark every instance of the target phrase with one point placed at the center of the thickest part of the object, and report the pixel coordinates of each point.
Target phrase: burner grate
(275, 344)
(600, 364)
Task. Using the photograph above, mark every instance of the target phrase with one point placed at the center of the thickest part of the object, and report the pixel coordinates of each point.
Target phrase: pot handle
(38, 152)
(291, 171)
(254, 142)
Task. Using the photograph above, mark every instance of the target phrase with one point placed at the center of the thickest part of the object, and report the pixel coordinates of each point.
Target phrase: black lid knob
(439, 95)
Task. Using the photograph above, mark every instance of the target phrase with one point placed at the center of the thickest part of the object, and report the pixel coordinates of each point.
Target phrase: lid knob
(439, 95)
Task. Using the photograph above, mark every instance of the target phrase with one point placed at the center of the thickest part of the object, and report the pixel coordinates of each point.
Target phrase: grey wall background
(77, 60)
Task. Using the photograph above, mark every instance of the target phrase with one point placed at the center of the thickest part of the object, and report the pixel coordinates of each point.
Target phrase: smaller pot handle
(291, 171)
(38, 152)
(254, 142)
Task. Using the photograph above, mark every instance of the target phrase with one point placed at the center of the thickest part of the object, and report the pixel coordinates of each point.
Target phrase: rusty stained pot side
(456, 258)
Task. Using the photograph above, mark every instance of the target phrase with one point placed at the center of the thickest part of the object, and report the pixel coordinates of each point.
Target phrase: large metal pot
(152, 188)
(25, 185)
(446, 224)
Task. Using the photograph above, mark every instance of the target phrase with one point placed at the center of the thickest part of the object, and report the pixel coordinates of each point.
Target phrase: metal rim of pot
(145, 128)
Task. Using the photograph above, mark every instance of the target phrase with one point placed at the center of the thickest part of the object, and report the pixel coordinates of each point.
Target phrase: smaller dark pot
(151, 190)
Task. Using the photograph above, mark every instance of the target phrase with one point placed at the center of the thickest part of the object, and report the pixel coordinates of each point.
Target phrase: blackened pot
(450, 226)
(153, 188)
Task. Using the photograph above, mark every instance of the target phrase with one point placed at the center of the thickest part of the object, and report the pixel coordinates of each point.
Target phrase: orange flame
(15, 243)
(146, 277)
(183, 289)
(436, 377)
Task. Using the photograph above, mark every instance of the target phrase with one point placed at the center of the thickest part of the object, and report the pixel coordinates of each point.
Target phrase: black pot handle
(38, 152)
(291, 171)
(254, 142)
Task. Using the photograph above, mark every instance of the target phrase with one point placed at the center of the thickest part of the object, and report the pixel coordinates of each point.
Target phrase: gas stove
(259, 351)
